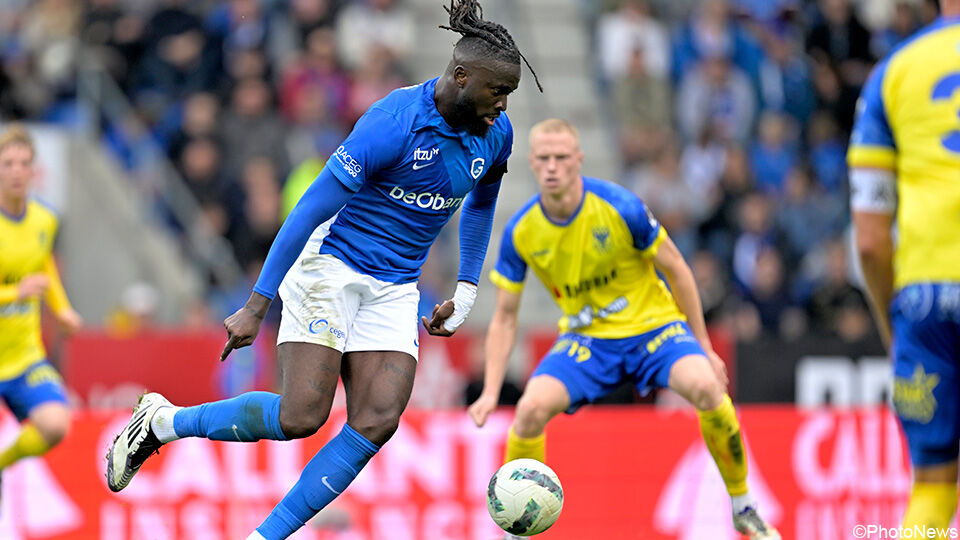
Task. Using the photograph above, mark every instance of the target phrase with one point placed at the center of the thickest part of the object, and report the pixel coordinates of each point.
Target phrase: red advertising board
(627, 473)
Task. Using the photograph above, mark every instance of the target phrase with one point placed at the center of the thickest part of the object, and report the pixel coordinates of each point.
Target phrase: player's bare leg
(694, 378)
(543, 398)
(378, 385)
(933, 499)
(309, 373)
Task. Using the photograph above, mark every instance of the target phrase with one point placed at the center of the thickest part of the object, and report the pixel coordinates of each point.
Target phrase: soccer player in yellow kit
(904, 159)
(596, 248)
(29, 385)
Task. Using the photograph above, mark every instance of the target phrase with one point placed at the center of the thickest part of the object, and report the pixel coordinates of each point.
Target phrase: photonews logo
(434, 201)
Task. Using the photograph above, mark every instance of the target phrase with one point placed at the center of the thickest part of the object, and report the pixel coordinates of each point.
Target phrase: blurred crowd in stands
(733, 121)
(732, 118)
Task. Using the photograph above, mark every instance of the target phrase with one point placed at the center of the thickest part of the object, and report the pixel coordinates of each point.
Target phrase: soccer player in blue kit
(353, 247)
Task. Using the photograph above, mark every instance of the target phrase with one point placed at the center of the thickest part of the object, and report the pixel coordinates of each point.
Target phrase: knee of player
(303, 422)
(376, 425)
(533, 412)
(54, 430)
(706, 392)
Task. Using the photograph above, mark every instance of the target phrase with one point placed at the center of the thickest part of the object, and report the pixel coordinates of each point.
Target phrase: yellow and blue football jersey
(597, 265)
(907, 122)
(26, 244)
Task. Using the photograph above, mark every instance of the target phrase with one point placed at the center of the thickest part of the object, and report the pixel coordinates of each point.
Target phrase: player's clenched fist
(481, 409)
(244, 325)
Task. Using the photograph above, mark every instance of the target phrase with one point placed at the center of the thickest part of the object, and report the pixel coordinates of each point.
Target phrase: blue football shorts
(591, 368)
(38, 385)
(926, 352)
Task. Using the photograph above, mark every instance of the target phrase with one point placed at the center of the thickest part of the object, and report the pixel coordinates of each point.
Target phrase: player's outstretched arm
(669, 261)
(501, 335)
(322, 200)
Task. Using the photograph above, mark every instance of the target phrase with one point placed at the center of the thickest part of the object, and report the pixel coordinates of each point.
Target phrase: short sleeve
(871, 141)
(374, 143)
(644, 228)
(511, 269)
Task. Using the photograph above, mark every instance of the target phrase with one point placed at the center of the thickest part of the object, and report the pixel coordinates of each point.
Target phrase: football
(524, 497)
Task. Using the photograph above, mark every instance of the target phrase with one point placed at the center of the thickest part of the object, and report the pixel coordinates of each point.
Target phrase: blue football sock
(326, 476)
(246, 418)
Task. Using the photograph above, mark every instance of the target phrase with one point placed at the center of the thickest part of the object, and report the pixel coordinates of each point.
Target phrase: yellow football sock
(29, 443)
(519, 447)
(931, 505)
(721, 432)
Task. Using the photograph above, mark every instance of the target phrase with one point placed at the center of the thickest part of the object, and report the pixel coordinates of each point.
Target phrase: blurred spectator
(828, 152)
(373, 80)
(314, 133)
(905, 22)
(676, 206)
(136, 310)
(238, 26)
(630, 31)
(48, 33)
(318, 66)
(254, 229)
(718, 231)
(200, 114)
(712, 284)
(701, 166)
(806, 216)
(772, 154)
(643, 106)
(116, 35)
(201, 166)
(756, 235)
(250, 128)
(767, 291)
(785, 81)
(369, 23)
(178, 60)
(929, 11)
(718, 94)
(839, 40)
(836, 305)
(712, 33)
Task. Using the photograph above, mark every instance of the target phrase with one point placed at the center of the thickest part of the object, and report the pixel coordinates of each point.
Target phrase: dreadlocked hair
(466, 19)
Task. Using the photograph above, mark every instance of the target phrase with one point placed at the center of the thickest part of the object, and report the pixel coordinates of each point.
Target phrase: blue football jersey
(411, 172)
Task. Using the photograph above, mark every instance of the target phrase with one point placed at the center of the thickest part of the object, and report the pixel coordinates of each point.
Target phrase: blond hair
(16, 134)
(555, 125)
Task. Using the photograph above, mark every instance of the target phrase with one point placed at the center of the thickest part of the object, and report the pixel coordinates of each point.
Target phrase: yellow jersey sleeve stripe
(651, 250)
(55, 297)
(501, 281)
(874, 157)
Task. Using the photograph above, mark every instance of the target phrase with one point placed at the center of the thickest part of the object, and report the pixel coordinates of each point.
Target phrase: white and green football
(524, 497)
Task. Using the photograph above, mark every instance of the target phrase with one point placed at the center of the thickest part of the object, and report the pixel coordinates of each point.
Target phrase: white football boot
(135, 443)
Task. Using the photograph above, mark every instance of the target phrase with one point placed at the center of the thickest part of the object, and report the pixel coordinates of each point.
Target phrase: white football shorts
(328, 303)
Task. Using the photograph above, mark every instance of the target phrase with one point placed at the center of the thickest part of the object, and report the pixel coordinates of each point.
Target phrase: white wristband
(463, 299)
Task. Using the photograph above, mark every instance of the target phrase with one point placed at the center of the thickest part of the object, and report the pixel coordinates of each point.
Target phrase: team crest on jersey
(601, 235)
(476, 167)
